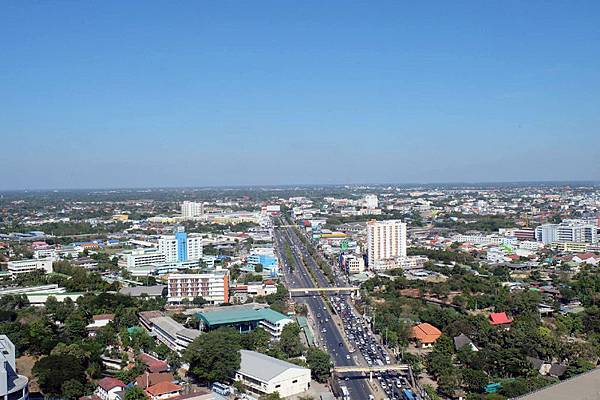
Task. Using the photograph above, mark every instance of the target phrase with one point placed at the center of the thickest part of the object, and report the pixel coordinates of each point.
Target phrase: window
(295, 381)
(277, 386)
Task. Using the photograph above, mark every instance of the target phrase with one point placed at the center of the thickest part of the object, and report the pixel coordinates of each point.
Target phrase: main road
(299, 277)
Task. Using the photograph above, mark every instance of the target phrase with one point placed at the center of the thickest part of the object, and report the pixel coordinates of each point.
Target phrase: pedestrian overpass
(354, 290)
(370, 370)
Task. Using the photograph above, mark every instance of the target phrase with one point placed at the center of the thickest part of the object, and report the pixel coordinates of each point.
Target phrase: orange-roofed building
(425, 335)
(500, 319)
(163, 390)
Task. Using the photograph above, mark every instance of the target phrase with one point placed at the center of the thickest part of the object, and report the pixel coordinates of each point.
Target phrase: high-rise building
(191, 209)
(568, 231)
(180, 246)
(12, 385)
(370, 201)
(385, 240)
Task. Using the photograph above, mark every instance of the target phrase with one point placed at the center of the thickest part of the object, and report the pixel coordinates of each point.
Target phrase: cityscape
(340, 200)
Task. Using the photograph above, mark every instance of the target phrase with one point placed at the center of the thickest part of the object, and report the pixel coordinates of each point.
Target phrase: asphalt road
(332, 337)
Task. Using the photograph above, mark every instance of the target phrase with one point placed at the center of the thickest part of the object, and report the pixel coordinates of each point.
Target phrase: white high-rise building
(385, 240)
(191, 209)
(371, 202)
(180, 246)
(568, 231)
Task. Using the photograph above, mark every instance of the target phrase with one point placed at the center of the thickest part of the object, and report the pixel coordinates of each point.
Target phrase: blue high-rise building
(182, 250)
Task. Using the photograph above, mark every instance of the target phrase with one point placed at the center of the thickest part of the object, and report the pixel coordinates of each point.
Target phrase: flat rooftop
(226, 316)
(585, 386)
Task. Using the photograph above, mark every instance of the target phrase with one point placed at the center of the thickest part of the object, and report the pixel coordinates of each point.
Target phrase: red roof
(102, 317)
(163, 388)
(499, 318)
(153, 364)
(109, 383)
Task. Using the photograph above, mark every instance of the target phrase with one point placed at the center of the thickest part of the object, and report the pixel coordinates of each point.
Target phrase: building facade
(191, 209)
(212, 287)
(261, 374)
(12, 385)
(180, 246)
(31, 265)
(385, 240)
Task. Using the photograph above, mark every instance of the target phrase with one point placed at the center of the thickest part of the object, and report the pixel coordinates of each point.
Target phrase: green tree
(290, 340)
(271, 396)
(474, 380)
(258, 268)
(134, 393)
(52, 371)
(214, 356)
(319, 363)
(75, 327)
(72, 389)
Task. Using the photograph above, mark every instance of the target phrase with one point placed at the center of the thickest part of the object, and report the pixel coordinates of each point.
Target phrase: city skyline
(232, 94)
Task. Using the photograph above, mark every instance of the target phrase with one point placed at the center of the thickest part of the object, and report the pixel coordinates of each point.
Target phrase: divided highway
(300, 278)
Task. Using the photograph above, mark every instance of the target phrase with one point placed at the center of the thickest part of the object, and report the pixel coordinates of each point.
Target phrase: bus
(221, 389)
(408, 394)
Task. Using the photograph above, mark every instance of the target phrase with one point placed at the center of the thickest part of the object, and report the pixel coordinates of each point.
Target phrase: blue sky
(195, 93)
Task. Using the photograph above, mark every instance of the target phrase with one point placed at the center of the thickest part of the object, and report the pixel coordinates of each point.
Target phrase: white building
(213, 287)
(261, 374)
(191, 209)
(385, 240)
(568, 231)
(140, 258)
(31, 265)
(170, 332)
(370, 201)
(180, 246)
(353, 263)
(12, 385)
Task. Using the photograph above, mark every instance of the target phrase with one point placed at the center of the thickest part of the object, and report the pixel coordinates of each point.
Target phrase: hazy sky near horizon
(195, 93)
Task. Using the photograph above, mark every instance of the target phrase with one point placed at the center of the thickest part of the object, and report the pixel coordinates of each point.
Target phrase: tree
(475, 380)
(199, 301)
(134, 393)
(258, 268)
(319, 363)
(214, 356)
(72, 389)
(290, 340)
(52, 371)
(75, 327)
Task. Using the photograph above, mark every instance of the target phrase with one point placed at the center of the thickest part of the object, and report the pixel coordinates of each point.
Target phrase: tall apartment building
(191, 209)
(568, 231)
(212, 287)
(12, 385)
(370, 201)
(385, 240)
(180, 246)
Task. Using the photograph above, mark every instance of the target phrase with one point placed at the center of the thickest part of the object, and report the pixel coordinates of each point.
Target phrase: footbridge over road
(354, 290)
(370, 370)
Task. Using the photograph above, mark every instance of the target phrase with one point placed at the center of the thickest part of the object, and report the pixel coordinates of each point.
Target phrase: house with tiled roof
(163, 391)
(108, 388)
(153, 364)
(148, 379)
(425, 335)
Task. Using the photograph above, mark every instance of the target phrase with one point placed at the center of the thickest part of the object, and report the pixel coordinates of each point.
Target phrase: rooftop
(227, 316)
(263, 367)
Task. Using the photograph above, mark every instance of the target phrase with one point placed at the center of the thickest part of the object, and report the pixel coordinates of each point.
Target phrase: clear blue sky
(194, 93)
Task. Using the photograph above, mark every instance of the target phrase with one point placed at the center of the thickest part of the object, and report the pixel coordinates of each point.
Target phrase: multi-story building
(191, 209)
(180, 246)
(353, 263)
(568, 231)
(212, 287)
(370, 201)
(12, 385)
(30, 265)
(385, 240)
(140, 258)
